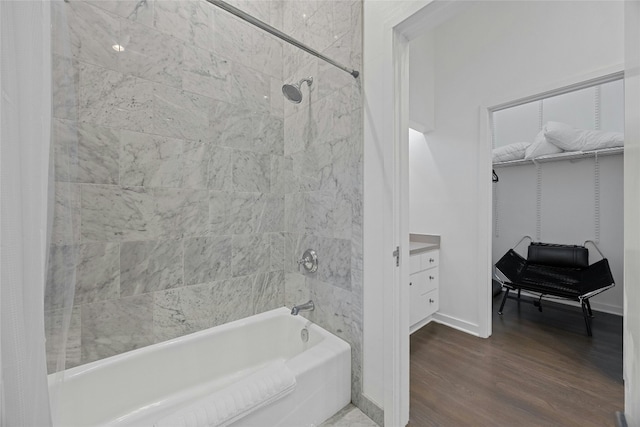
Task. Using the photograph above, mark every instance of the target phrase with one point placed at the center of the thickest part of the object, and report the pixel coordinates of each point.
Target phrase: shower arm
(274, 31)
(307, 80)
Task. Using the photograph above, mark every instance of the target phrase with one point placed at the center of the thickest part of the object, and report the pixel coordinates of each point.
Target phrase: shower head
(292, 91)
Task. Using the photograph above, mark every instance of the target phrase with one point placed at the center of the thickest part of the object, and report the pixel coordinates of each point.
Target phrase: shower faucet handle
(309, 261)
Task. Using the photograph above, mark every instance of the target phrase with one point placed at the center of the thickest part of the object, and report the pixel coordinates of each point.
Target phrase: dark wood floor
(537, 369)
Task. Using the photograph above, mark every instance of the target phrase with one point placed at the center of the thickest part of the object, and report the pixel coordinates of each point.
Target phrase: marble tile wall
(193, 186)
(168, 166)
(323, 163)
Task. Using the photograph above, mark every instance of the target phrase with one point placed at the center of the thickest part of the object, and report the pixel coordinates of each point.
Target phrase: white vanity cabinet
(423, 287)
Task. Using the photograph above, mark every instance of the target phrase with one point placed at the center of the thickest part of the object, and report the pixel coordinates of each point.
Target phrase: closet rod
(274, 31)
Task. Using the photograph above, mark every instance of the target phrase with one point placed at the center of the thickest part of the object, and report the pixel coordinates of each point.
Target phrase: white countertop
(419, 243)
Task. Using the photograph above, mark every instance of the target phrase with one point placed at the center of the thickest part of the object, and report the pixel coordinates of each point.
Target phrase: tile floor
(349, 416)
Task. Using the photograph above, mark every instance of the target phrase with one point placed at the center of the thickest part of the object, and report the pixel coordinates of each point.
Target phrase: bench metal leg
(538, 303)
(589, 308)
(587, 319)
(504, 299)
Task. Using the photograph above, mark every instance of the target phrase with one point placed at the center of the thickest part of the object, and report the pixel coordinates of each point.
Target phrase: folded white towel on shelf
(510, 152)
(236, 401)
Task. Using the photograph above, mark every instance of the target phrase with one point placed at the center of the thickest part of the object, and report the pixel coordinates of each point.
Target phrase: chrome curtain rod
(271, 30)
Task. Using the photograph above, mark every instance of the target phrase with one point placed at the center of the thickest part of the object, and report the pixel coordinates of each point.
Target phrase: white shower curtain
(25, 110)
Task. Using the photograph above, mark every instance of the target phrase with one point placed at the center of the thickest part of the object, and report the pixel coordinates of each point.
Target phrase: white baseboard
(420, 324)
(455, 323)
(595, 305)
(606, 308)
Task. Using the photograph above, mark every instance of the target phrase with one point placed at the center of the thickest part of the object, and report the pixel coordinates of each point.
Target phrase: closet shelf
(567, 155)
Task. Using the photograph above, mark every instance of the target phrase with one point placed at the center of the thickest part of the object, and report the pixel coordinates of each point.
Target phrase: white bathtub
(139, 387)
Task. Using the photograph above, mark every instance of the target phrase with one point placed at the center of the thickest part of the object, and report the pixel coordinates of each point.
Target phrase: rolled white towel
(236, 401)
(569, 139)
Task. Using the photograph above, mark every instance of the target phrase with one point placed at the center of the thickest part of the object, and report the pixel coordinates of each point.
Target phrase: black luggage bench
(561, 271)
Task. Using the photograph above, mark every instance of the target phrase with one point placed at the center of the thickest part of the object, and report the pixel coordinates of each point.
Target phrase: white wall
(422, 72)
(493, 53)
(421, 181)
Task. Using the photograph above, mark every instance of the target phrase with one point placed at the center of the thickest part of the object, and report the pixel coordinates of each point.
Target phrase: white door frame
(631, 328)
(401, 212)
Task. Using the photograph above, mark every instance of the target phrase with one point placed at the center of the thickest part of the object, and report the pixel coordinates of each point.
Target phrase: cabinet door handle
(431, 277)
(410, 283)
(431, 260)
(431, 301)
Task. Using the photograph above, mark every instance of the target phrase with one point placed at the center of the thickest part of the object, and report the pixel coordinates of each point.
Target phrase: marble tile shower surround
(324, 154)
(193, 186)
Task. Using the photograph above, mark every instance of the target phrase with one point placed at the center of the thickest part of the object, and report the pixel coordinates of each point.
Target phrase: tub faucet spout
(307, 306)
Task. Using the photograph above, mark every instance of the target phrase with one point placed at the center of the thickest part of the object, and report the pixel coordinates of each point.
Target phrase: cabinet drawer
(432, 302)
(424, 281)
(424, 261)
(432, 279)
(430, 259)
(415, 263)
(423, 306)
